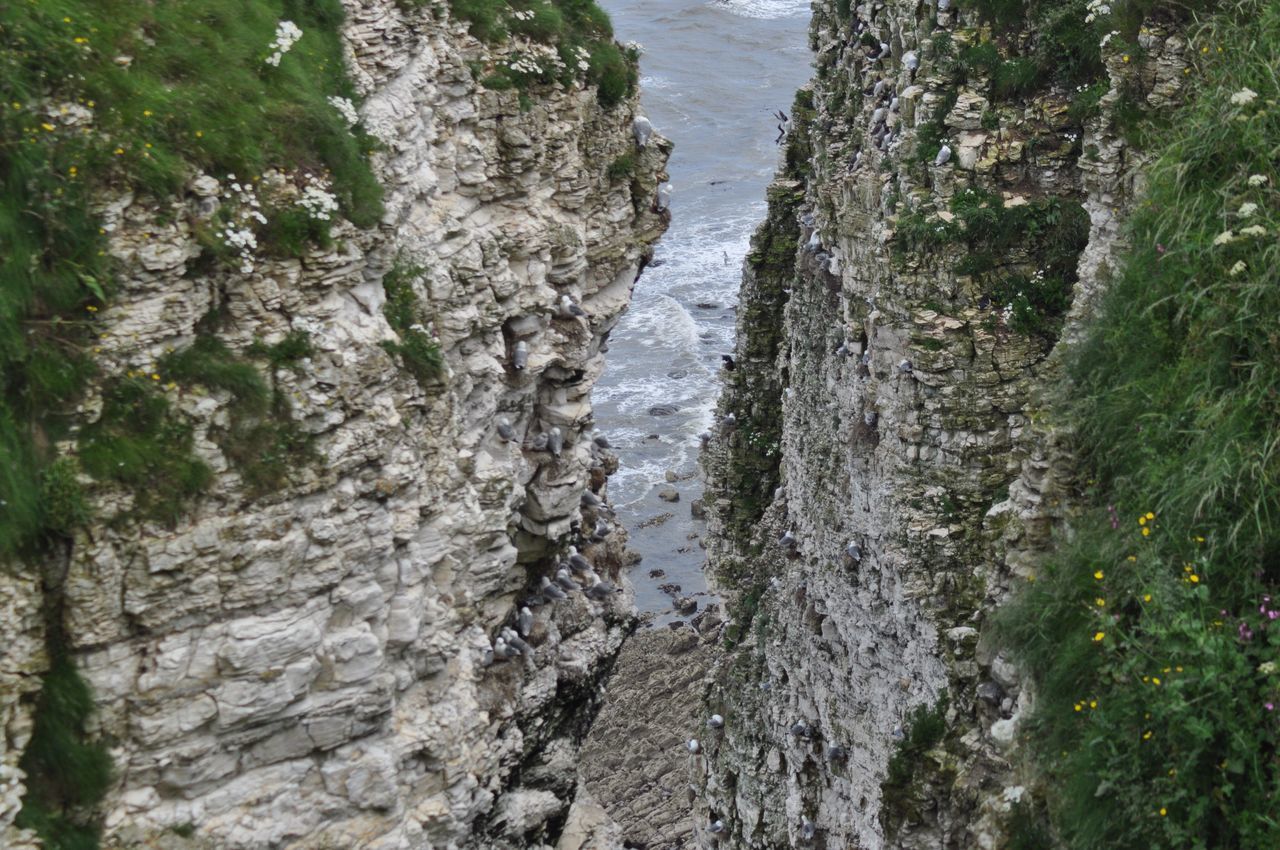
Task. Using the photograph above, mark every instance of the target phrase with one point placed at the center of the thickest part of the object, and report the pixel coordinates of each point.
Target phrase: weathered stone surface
(309, 668)
(635, 762)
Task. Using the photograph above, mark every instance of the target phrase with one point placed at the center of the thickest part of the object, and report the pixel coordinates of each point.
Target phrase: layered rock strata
(313, 666)
(882, 478)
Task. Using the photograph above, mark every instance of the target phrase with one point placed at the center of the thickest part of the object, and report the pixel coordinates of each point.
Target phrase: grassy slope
(1149, 634)
(98, 93)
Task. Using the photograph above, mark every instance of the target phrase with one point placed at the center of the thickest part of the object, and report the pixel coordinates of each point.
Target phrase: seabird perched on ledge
(555, 442)
(693, 746)
(524, 621)
(602, 590)
(787, 540)
(552, 591)
(642, 130)
(567, 309)
(715, 721)
(520, 357)
(664, 197)
(505, 431)
(577, 563)
(944, 154)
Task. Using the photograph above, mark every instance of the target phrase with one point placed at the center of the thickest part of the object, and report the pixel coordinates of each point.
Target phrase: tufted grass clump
(1153, 635)
(99, 95)
(66, 774)
(142, 444)
(417, 349)
(261, 440)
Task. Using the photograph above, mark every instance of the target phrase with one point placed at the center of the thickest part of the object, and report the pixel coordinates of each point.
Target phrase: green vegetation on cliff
(569, 38)
(100, 96)
(65, 775)
(1154, 634)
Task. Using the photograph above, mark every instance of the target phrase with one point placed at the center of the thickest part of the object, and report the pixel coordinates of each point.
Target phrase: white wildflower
(634, 47)
(287, 35)
(1238, 268)
(1257, 179)
(1096, 9)
(1224, 238)
(1253, 230)
(584, 65)
(1244, 97)
(346, 109)
(1106, 38)
(1248, 209)
(319, 203)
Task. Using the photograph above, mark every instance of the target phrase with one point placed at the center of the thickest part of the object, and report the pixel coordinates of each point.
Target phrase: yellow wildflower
(1146, 597)
(48, 128)
(1093, 703)
(1146, 736)
(1163, 810)
(1193, 578)
(1155, 680)
(1098, 575)
(1098, 636)
(1100, 602)
(1146, 532)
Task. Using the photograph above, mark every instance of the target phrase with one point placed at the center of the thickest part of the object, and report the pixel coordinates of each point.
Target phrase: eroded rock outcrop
(312, 664)
(884, 480)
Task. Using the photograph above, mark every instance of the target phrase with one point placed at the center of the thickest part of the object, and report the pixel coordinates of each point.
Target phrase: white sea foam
(767, 10)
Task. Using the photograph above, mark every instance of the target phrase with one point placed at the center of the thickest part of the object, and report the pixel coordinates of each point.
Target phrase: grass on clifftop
(567, 38)
(1154, 635)
(101, 95)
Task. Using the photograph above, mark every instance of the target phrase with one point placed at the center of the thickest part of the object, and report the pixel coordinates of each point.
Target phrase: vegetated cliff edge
(947, 220)
(279, 532)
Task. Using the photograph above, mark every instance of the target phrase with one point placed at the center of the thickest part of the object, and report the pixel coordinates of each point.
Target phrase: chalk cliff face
(307, 666)
(931, 247)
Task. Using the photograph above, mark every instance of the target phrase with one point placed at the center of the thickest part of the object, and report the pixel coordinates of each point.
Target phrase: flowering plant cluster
(287, 35)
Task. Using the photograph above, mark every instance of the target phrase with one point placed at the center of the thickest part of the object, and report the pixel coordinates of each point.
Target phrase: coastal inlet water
(712, 75)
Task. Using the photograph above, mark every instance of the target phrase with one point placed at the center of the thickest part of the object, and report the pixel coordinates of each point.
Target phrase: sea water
(713, 73)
